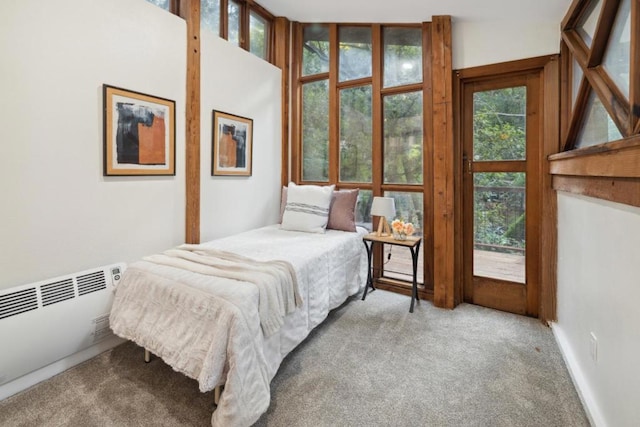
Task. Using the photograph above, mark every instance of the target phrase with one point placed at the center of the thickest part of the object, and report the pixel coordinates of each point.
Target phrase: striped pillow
(307, 208)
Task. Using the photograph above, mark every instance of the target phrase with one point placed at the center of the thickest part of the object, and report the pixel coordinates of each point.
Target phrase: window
(600, 118)
(210, 15)
(345, 75)
(599, 38)
(164, 4)
(241, 22)
(258, 35)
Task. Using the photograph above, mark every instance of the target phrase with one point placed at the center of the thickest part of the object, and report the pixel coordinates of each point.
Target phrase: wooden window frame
(246, 8)
(376, 185)
(609, 170)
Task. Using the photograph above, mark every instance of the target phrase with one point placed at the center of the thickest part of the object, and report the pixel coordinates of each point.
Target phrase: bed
(211, 328)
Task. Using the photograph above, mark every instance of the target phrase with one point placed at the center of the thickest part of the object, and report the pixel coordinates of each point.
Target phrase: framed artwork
(139, 133)
(232, 144)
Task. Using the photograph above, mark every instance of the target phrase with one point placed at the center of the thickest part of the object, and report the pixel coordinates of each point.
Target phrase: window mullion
(376, 109)
(334, 106)
(603, 30)
(224, 19)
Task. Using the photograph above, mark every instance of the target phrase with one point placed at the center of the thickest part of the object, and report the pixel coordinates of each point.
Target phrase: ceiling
(396, 11)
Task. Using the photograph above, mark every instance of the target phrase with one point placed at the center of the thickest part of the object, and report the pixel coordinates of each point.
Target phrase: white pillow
(307, 208)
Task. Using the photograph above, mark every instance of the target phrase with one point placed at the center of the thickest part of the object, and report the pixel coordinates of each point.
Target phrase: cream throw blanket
(203, 335)
(275, 280)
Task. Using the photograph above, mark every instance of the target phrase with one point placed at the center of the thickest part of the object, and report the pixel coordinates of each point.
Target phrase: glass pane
(355, 134)
(617, 56)
(597, 126)
(165, 4)
(402, 116)
(588, 21)
(402, 56)
(234, 23)
(355, 52)
(315, 50)
(363, 209)
(576, 80)
(258, 31)
(315, 131)
(499, 226)
(210, 15)
(409, 208)
(499, 124)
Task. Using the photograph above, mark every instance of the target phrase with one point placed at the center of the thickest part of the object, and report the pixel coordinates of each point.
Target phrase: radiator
(44, 322)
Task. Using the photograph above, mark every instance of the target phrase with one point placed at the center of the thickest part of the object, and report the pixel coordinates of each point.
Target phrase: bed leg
(216, 395)
(147, 356)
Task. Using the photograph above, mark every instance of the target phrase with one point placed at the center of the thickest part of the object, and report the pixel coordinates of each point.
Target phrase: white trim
(49, 371)
(580, 382)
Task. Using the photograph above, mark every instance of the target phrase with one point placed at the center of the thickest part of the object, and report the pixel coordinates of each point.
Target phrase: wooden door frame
(543, 302)
(511, 296)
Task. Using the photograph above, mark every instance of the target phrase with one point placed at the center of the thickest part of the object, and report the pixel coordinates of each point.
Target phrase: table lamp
(383, 207)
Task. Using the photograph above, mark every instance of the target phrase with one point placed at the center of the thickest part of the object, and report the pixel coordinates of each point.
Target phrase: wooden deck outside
(498, 265)
(495, 265)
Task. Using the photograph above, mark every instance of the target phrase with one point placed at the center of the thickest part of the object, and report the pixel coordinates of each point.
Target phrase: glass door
(500, 182)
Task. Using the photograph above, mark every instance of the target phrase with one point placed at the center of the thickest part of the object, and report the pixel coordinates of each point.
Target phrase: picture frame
(139, 133)
(232, 145)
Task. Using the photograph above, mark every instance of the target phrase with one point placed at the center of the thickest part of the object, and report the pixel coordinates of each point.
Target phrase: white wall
(236, 82)
(58, 214)
(599, 291)
(483, 43)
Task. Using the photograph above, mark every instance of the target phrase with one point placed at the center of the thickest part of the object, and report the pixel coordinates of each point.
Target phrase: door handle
(466, 164)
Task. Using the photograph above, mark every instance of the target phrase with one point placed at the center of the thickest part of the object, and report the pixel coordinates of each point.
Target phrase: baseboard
(42, 374)
(579, 379)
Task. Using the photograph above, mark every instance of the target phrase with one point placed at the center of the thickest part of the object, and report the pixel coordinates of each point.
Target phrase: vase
(399, 236)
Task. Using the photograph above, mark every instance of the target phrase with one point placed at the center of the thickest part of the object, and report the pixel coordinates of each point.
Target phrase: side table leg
(414, 290)
(369, 277)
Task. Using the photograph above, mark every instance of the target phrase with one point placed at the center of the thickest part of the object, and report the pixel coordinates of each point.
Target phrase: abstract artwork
(139, 133)
(232, 144)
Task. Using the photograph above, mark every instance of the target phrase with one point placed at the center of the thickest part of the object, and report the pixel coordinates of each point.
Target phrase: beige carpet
(370, 364)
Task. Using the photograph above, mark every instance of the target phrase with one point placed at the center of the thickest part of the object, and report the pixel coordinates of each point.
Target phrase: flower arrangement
(402, 229)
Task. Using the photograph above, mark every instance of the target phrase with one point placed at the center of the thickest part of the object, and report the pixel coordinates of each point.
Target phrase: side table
(412, 242)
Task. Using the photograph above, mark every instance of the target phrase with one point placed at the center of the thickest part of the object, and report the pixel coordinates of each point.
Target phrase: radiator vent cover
(91, 282)
(59, 291)
(46, 321)
(18, 302)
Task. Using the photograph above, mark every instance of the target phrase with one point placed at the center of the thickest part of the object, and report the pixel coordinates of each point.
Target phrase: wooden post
(281, 60)
(190, 11)
(444, 290)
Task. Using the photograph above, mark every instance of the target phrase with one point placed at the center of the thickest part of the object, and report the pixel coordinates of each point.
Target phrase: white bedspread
(210, 329)
(275, 280)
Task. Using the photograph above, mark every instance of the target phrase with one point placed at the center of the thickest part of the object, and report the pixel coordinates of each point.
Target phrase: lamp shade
(383, 206)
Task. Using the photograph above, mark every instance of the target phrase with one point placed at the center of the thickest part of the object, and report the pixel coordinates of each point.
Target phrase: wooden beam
(427, 157)
(619, 190)
(296, 104)
(566, 90)
(281, 60)
(549, 200)
(614, 102)
(571, 17)
(601, 37)
(443, 164)
(615, 159)
(492, 70)
(533, 197)
(190, 12)
(334, 105)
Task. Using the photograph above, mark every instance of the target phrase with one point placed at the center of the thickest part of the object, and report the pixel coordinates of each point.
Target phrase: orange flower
(408, 229)
(397, 225)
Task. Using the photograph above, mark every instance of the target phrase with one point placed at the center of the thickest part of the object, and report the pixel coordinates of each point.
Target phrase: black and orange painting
(232, 144)
(139, 133)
